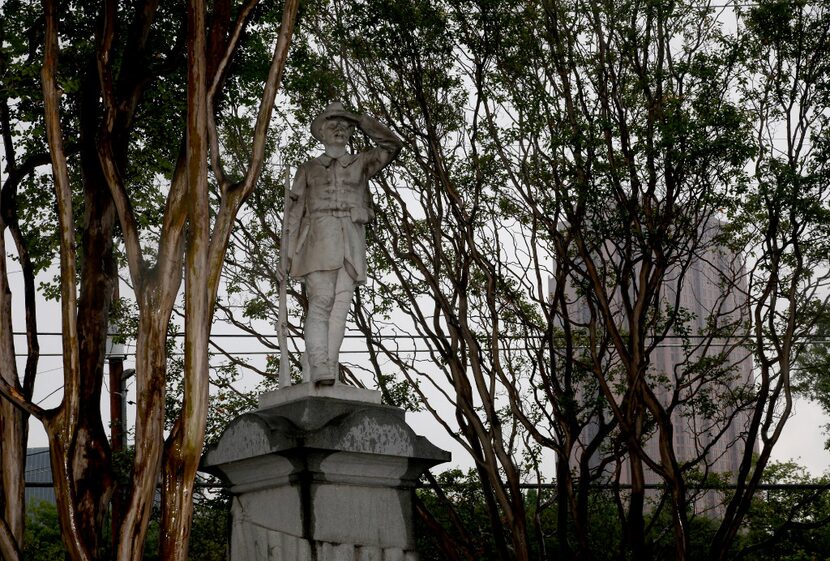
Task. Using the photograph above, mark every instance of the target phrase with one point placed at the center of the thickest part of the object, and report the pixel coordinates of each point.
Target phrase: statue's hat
(334, 110)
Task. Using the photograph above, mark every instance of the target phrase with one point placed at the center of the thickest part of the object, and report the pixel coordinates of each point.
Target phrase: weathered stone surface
(259, 536)
(378, 432)
(316, 423)
(314, 470)
(250, 436)
(364, 515)
(303, 550)
(275, 547)
(393, 554)
(274, 508)
(369, 553)
(291, 549)
(299, 391)
(335, 552)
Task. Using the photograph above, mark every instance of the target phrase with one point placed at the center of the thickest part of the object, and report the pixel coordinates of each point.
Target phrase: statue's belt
(339, 212)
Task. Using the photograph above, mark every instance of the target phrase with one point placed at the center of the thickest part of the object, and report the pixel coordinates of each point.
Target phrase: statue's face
(337, 132)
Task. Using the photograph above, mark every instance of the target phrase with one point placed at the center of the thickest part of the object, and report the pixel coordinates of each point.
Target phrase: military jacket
(330, 204)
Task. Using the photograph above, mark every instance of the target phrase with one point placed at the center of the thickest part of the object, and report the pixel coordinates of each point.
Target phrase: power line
(363, 352)
(397, 336)
(53, 392)
(38, 453)
(221, 335)
(744, 5)
(260, 353)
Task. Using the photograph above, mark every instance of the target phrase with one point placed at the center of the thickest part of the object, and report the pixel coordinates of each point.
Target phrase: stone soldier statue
(328, 208)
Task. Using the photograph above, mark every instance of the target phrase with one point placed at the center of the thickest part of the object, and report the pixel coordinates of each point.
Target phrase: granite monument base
(322, 474)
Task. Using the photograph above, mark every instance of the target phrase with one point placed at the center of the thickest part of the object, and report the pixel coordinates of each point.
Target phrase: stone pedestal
(322, 474)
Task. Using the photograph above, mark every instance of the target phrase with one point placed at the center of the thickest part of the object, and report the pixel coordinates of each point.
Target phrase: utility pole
(118, 423)
(118, 405)
(118, 419)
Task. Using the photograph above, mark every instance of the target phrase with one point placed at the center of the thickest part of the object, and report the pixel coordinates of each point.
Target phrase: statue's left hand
(360, 215)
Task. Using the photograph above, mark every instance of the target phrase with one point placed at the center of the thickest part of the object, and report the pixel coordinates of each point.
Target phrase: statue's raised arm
(328, 207)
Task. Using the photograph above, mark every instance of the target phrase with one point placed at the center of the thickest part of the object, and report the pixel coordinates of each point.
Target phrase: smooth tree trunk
(184, 445)
(13, 423)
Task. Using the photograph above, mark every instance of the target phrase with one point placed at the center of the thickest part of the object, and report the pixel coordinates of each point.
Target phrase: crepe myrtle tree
(127, 115)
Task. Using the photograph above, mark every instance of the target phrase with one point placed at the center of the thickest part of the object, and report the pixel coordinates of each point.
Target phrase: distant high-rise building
(715, 371)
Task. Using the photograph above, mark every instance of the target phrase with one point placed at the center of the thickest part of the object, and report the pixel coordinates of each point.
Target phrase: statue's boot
(322, 375)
